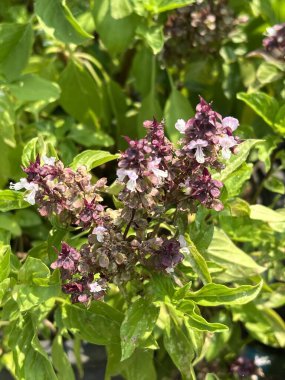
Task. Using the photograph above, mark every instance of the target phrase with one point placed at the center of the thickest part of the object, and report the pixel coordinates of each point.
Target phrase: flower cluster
(63, 192)
(245, 367)
(156, 177)
(274, 42)
(199, 27)
(156, 174)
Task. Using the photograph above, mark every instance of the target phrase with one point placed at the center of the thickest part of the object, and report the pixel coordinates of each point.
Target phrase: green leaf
(87, 137)
(12, 200)
(32, 88)
(197, 261)
(237, 263)
(150, 108)
(30, 152)
(120, 8)
(138, 324)
(280, 121)
(178, 344)
(176, 107)
(107, 26)
(5, 253)
(237, 160)
(196, 321)
(267, 73)
(211, 376)
(92, 158)
(275, 185)
(60, 360)
(159, 6)
(100, 324)
(80, 94)
(236, 179)
(34, 271)
(264, 105)
(275, 218)
(153, 36)
(61, 23)
(31, 361)
(263, 324)
(217, 294)
(7, 120)
(16, 42)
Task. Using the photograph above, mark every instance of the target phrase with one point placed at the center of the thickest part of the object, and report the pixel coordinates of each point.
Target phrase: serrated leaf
(138, 324)
(56, 15)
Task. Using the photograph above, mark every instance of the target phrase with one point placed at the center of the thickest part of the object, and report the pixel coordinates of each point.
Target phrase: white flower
(95, 287)
(270, 32)
(180, 125)
(24, 184)
(169, 270)
(230, 122)
(261, 360)
(226, 143)
(19, 185)
(99, 232)
(49, 160)
(153, 166)
(182, 241)
(131, 174)
(198, 145)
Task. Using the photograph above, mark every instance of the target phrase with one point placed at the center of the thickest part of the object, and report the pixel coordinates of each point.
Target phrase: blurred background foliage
(78, 75)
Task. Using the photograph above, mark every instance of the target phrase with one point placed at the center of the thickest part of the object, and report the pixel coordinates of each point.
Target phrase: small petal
(200, 157)
(49, 160)
(226, 153)
(230, 122)
(131, 184)
(160, 173)
(121, 174)
(19, 185)
(95, 287)
(180, 125)
(30, 197)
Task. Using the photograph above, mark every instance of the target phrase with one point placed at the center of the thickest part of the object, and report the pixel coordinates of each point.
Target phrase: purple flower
(68, 258)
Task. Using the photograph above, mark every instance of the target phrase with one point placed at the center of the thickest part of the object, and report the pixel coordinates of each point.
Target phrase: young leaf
(217, 294)
(16, 42)
(138, 324)
(12, 200)
(120, 8)
(92, 158)
(56, 15)
(153, 36)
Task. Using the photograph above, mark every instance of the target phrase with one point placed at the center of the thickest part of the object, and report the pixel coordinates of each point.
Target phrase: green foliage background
(76, 76)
